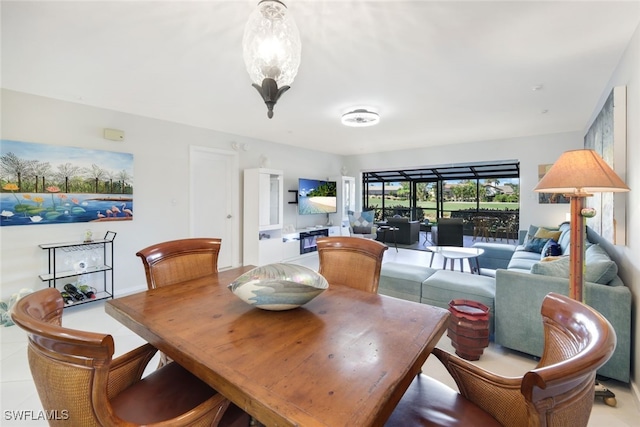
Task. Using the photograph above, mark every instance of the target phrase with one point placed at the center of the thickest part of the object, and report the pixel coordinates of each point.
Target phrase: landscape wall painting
(549, 197)
(51, 184)
(608, 137)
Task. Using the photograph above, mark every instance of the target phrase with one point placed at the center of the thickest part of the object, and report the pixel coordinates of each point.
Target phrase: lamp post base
(607, 395)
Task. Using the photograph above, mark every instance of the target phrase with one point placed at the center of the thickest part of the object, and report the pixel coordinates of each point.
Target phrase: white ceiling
(438, 72)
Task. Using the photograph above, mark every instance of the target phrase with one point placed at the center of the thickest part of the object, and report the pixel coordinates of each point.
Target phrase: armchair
(361, 225)
(448, 232)
(408, 231)
(558, 392)
(74, 372)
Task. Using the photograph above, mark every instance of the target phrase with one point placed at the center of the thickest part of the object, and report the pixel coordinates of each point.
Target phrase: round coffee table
(452, 253)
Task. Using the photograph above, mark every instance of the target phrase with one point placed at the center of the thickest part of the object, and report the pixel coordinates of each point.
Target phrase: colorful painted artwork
(51, 184)
(549, 197)
(607, 136)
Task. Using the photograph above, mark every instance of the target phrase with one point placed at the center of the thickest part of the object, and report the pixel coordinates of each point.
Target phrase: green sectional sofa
(522, 279)
(436, 287)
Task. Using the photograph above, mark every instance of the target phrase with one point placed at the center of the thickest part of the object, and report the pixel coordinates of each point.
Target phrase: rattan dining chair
(351, 261)
(559, 392)
(175, 261)
(79, 384)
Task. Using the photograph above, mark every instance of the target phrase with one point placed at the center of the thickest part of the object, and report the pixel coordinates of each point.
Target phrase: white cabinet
(263, 205)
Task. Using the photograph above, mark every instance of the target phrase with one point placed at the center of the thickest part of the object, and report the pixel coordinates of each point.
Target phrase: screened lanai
(472, 191)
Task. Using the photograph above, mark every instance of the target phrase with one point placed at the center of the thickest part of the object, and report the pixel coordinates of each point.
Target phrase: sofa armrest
(518, 324)
(495, 255)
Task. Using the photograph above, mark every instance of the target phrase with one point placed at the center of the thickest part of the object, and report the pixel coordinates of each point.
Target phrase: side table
(384, 229)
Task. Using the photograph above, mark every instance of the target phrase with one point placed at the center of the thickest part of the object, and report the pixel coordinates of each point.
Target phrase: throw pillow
(545, 233)
(600, 271)
(600, 267)
(530, 233)
(557, 268)
(551, 248)
(535, 244)
(361, 219)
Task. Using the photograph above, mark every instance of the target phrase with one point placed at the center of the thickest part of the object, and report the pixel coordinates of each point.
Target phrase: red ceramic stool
(468, 328)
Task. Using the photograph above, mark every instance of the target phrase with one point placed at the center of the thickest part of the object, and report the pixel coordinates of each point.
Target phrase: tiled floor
(19, 395)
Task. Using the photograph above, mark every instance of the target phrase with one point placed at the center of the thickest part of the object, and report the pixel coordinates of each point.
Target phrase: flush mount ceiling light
(271, 49)
(360, 118)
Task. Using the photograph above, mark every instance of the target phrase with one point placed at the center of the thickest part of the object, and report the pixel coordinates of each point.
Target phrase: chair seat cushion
(166, 393)
(428, 402)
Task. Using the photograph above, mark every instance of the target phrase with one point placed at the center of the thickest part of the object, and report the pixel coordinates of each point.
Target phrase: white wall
(161, 180)
(530, 151)
(628, 74)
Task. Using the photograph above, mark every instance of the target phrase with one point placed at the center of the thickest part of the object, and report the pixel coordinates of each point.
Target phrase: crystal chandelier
(271, 50)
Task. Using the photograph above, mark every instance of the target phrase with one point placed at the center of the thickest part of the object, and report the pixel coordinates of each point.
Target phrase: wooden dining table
(343, 359)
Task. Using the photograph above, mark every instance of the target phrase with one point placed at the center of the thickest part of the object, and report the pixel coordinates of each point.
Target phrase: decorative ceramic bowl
(278, 286)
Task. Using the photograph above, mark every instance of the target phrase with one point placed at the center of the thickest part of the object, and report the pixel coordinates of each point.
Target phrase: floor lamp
(577, 174)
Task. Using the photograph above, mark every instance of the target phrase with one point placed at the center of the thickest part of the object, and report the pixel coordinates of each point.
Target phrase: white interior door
(214, 206)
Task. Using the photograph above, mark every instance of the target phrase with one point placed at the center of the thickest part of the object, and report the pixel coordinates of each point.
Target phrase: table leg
(395, 239)
(431, 261)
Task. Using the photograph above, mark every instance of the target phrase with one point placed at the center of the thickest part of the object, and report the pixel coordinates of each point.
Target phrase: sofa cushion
(446, 285)
(403, 280)
(565, 237)
(523, 260)
(599, 268)
(495, 255)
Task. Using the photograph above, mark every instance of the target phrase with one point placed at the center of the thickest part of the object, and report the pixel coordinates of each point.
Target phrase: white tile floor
(19, 394)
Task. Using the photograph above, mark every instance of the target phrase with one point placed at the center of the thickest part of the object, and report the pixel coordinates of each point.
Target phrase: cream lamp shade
(582, 172)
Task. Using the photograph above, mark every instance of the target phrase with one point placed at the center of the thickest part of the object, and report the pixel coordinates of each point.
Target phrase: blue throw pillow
(535, 245)
(551, 248)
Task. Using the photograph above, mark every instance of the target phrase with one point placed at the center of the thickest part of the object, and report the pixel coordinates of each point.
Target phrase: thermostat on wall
(114, 134)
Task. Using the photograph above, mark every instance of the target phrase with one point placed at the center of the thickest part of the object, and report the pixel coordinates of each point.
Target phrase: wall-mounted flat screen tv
(316, 197)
